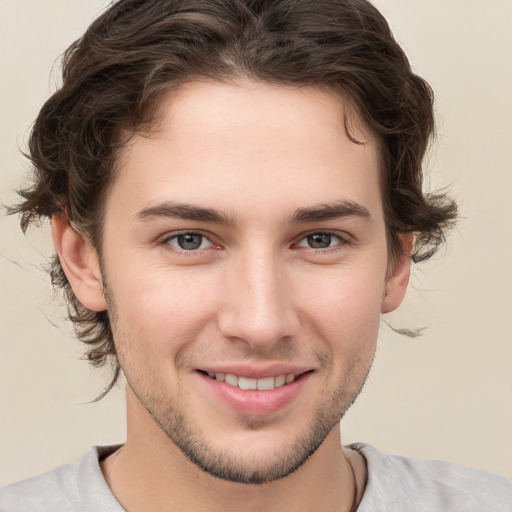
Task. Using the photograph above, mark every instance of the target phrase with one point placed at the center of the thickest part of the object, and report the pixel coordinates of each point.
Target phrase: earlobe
(80, 263)
(398, 276)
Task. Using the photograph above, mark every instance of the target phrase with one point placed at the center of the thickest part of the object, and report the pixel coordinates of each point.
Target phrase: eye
(188, 241)
(321, 240)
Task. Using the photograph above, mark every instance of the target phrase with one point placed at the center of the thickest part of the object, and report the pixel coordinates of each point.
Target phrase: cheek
(160, 308)
(345, 306)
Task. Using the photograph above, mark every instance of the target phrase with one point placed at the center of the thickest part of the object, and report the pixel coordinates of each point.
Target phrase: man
(235, 195)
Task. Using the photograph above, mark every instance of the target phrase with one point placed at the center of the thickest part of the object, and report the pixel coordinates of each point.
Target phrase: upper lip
(256, 372)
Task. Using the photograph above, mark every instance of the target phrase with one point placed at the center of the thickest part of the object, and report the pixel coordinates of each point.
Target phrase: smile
(265, 384)
(256, 391)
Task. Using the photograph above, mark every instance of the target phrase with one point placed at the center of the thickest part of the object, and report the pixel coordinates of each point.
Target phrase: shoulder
(55, 490)
(62, 489)
(403, 483)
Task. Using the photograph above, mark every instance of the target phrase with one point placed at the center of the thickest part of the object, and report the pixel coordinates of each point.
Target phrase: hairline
(352, 118)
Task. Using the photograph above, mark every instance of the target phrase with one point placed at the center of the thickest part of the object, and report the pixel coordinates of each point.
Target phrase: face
(245, 263)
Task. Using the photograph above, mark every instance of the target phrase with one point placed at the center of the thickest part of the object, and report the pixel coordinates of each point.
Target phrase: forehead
(251, 144)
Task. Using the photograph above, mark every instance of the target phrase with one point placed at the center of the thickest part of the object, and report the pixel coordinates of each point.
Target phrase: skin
(255, 293)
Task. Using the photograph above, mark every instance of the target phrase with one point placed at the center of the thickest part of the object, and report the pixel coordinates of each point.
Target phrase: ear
(80, 263)
(398, 275)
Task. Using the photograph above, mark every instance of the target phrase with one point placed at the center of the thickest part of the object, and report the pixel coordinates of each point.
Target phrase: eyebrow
(316, 213)
(184, 211)
(330, 211)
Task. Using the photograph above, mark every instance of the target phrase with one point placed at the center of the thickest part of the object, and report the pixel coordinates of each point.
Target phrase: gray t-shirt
(395, 484)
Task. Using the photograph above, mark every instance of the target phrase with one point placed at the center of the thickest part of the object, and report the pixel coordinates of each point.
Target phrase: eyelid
(164, 240)
(343, 236)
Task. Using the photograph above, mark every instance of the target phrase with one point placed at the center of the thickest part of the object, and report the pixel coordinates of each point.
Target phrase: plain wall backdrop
(446, 395)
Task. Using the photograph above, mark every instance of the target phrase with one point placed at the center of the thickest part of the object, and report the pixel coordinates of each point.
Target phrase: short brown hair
(138, 50)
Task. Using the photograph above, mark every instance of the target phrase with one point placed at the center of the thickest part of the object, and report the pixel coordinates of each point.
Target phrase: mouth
(256, 390)
(246, 383)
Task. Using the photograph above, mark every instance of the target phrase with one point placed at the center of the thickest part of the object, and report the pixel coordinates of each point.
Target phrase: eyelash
(343, 241)
(186, 252)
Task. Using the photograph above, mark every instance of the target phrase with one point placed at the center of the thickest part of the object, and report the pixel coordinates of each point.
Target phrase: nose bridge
(259, 302)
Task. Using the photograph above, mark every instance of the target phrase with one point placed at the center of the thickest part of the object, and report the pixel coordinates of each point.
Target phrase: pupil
(189, 241)
(319, 240)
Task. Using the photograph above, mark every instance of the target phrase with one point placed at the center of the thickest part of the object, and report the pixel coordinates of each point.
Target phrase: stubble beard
(232, 466)
(222, 463)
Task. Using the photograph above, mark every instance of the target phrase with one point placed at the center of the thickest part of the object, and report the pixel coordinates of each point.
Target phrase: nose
(258, 302)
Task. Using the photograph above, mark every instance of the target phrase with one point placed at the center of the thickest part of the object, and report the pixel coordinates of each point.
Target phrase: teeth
(244, 383)
(265, 384)
(230, 379)
(280, 381)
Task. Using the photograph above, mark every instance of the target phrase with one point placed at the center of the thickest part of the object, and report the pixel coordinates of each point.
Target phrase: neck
(149, 473)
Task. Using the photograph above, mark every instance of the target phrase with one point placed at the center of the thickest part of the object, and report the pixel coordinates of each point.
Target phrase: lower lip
(253, 402)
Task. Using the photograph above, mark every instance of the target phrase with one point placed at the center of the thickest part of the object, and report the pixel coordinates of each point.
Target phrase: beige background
(445, 395)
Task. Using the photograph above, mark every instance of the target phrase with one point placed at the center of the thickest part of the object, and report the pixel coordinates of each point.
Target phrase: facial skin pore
(244, 236)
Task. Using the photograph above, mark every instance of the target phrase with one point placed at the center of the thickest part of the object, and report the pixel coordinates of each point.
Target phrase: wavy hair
(138, 50)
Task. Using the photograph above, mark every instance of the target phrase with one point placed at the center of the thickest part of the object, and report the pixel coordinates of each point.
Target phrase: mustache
(285, 351)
